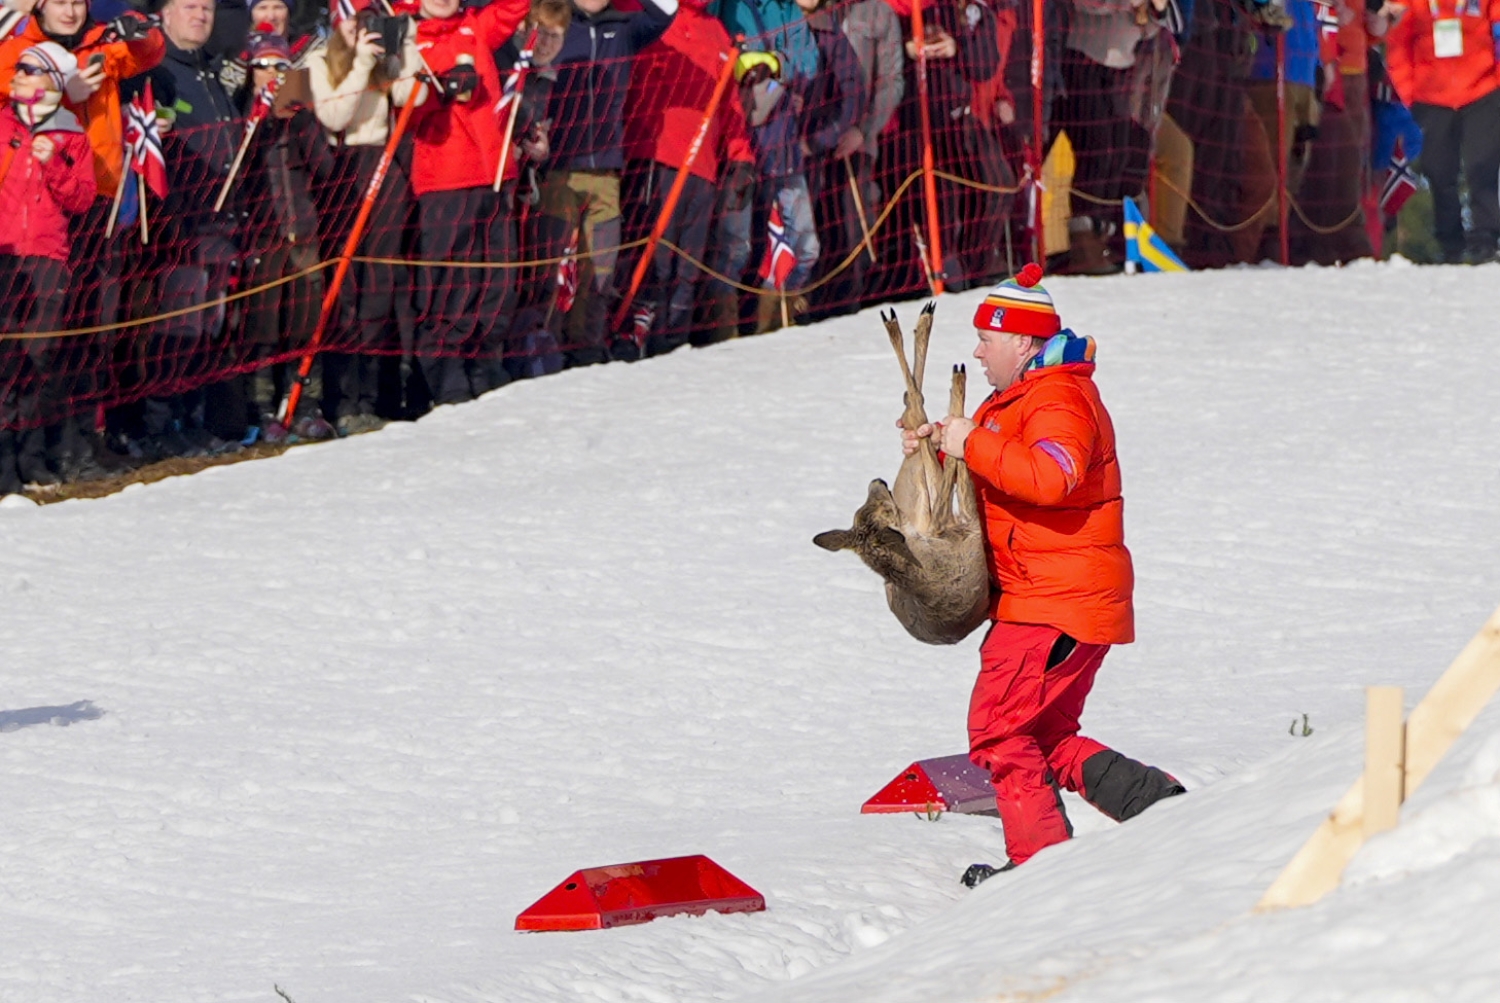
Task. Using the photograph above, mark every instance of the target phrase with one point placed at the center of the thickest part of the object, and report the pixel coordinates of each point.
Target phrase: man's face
(272, 12)
(1003, 356)
(439, 9)
(188, 23)
(808, 6)
(549, 42)
(63, 17)
(591, 6)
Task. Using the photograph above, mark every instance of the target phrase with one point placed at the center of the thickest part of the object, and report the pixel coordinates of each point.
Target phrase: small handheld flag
(1145, 251)
(776, 267)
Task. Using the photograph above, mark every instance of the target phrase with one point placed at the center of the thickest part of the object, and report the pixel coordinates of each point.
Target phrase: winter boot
(768, 312)
(977, 874)
(1122, 788)
(1088, 253)
(10, 481)
(723, 320)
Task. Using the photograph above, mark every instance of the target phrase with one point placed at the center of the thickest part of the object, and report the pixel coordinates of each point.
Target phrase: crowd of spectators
(552, 136)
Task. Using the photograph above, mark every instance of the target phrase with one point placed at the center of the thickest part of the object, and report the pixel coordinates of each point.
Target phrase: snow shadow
(82, 710)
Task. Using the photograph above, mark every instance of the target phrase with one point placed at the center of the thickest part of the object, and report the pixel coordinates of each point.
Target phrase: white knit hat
(60, 64)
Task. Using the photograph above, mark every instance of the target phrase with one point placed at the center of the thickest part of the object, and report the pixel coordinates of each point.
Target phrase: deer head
(875, 535)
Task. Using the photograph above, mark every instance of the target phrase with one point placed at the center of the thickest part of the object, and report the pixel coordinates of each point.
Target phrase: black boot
(1123, 788)
(10, 481)
(977, 874)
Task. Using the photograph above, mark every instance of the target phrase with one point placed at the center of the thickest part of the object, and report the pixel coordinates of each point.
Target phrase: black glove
(129, 27)
(458, 80)
(738, 184)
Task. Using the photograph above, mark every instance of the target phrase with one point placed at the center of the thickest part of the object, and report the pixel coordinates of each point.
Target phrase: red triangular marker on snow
(596, 898)
(944, 783)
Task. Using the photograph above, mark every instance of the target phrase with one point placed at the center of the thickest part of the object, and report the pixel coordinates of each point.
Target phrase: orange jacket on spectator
(100, 113)
(36, 199)
(670, 87)
(1452, 82)
(457, 143)
(1043, 459)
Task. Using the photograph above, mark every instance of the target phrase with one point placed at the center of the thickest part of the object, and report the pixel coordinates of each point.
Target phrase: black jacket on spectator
(838, 98)
(593, 76)
(201, 145)
(973, 28)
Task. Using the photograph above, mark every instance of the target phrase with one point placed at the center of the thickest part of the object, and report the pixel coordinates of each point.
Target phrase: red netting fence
(882, 156)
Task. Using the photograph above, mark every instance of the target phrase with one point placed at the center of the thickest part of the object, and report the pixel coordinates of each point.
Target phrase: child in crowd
(46, 177)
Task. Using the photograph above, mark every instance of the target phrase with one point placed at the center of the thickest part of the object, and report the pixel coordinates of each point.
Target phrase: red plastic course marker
(944, 783)
(599, 897)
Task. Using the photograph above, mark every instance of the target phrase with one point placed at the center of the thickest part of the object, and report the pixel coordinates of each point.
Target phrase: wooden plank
(1384, 760)
(1452, 704)
(1448, 708)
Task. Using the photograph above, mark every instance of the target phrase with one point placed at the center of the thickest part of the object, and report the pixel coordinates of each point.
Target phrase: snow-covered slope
(350, 710)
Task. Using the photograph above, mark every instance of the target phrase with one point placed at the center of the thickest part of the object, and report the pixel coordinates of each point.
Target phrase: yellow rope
(170, 314)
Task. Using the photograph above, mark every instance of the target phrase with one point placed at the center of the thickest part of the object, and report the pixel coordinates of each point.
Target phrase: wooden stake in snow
(1448, 708)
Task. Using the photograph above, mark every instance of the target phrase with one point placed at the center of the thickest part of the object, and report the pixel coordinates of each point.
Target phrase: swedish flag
(1144, 250)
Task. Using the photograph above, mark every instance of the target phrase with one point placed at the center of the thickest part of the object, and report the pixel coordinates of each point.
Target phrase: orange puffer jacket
(100, 113)
(1044, 466)
(1420, 77)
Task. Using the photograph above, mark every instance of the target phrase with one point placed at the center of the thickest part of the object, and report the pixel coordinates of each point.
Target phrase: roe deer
(929, 551)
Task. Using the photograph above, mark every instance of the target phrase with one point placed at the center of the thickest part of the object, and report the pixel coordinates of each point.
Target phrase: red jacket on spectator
(36, 199)
(100, 113)
(670, 87)
(457, 143)
(1420, 77)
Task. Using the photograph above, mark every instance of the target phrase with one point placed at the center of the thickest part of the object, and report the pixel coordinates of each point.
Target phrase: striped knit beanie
(60, 64)
(1019, 306)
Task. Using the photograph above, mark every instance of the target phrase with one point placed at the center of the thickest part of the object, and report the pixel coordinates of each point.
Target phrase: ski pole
(330, 298)
(523, 65)
(675, 192)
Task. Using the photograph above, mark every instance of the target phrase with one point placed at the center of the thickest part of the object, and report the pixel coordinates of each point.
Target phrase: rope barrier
(845, 264)
(78, 332)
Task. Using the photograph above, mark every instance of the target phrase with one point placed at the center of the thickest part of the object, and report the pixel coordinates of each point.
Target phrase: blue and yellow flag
(1144, 250)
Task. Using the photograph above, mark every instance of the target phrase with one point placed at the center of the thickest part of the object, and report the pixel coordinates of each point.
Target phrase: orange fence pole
(934, 264)
(675, 192)
(1282, 147)
(331, 297)
(1038, 139)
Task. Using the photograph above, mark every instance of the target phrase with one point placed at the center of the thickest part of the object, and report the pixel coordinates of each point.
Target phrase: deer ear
(891, 539)
(834, 539)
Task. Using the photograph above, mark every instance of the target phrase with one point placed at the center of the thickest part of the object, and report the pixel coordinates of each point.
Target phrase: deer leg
(921, 335)
(953, 466)
(929, 481)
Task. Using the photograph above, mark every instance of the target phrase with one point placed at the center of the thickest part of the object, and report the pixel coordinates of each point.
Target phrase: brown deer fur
(929, 550)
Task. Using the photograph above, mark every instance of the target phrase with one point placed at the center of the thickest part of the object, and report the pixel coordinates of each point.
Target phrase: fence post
(1385, 759)
(1038, 133)
(934, 264)
(1283, 195)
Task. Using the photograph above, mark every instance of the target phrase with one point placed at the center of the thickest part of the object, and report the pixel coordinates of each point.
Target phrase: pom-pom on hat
(1019, 305)
(265, 45)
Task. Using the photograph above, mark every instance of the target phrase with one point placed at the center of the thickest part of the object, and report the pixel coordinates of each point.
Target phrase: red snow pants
(1023, 729)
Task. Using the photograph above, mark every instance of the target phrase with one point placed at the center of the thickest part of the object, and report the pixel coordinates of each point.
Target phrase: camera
(392, 32)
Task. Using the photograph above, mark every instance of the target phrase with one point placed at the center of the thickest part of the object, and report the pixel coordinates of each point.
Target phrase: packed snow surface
(330, 721)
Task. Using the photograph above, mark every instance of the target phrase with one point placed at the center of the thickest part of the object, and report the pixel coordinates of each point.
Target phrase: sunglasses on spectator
(280, 65)
(27, 70)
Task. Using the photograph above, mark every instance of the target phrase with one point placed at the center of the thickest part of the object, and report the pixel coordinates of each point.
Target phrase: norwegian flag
(1399, 185)
(265, 99)
(513, 80)
(780, 259)
(343, 10)
(143, 141)
(567, 276)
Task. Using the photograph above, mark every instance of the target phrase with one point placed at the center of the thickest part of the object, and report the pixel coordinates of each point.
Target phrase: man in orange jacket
(1444, 60)
(1041, 450)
